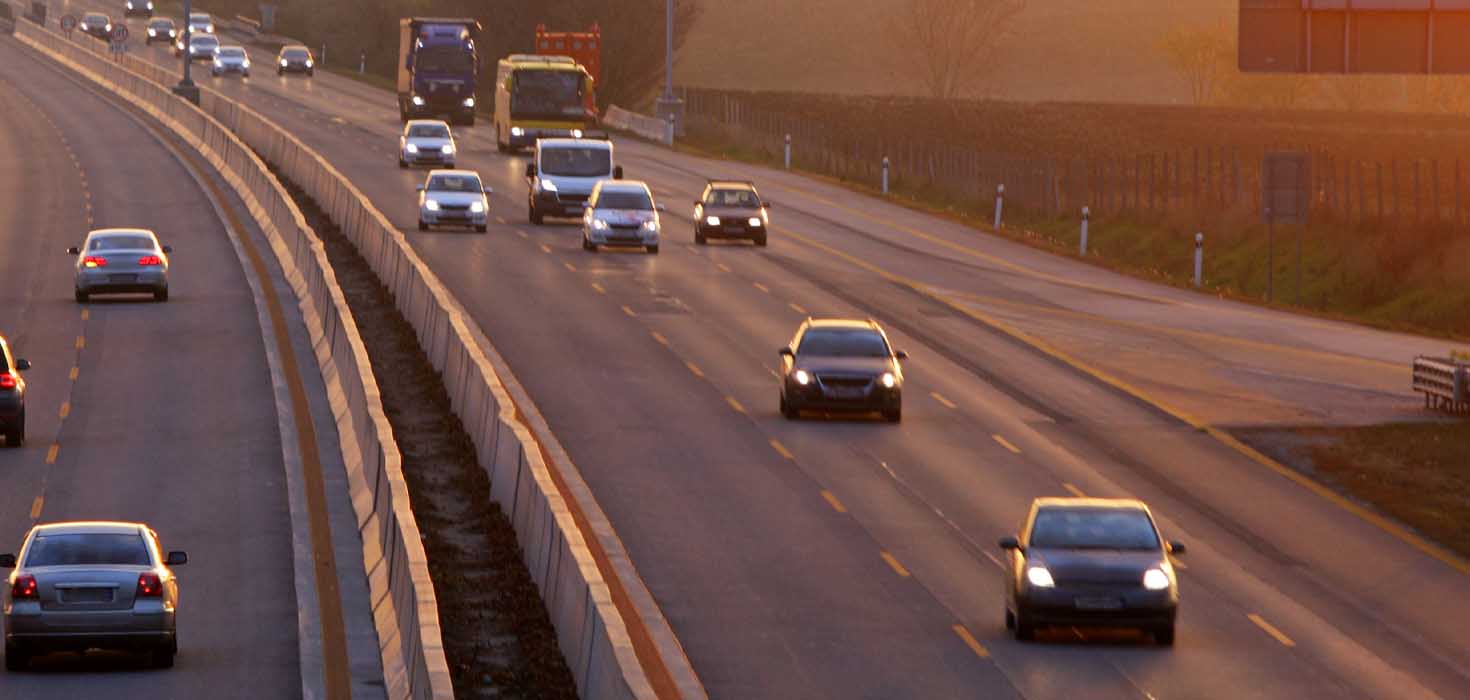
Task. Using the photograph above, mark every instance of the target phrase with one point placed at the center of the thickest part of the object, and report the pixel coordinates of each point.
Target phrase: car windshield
(161, 24)
(845, 342)
(123, 242)
(95, 19)
(1093, 528)
(89, 549)
(625, 199)
(232, 52)
(547, 93)
(295, 53)
(455, 183)
(576, 162)
(444, 59)
(428, 131)
(203, 41)
(744, 199)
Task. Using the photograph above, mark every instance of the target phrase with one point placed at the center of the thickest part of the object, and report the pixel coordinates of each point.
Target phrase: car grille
(573, 198)
(844, 382)
(455, 207)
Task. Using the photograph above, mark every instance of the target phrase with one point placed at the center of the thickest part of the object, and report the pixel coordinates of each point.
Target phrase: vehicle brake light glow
(150, 260)
(149, 586)
(94, 261)
(7, 381)
(24, 588)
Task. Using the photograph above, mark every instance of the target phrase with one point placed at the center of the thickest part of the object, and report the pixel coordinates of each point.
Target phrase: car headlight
(599, 224)
(150, 5)
(217, 63)
(418, 101)
(246, 63)
(152, 32)
(209, 27)
(172, 33)
(285, 63)
(889, 380)
(576, 133)
(431, 205)
(411, 148)
(309, 63)
(469, 102)
(711, 221)
(547, 185)
(650, 225)
(1155, 579)
(802, 377)
(107, 28)
(477, 207)
(755, 222)
(1041, 578)
(517, 131)
(447, 149)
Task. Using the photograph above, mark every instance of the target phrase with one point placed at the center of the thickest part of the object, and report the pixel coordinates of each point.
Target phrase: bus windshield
(547, 94)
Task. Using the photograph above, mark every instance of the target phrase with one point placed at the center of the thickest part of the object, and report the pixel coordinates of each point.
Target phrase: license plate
(1098, 603)
(845, 393)
(122, 278)
(86, 595)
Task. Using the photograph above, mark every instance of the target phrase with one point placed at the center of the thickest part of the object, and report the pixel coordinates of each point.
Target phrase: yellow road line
(660, 338)
(893, 563)
(723, 267)
(762, 287)
(36, 507)
(1006, 444)
(1073, 490)
(797, 308)
(81, 342)
(598, 288)
(695, 369)
(735, 404)
(570, 267)
(832, 500)
(522, 234)
(1271, 630)
(1394, 529)
(631, 313)
(545, 248)
(74, 372)
(51, 453)
(499, 219)
(781, 449)
(971, 641)
(65, 409)
(86, 314)
(947, 403)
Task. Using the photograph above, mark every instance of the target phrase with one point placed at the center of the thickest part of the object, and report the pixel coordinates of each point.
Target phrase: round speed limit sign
(68, 23)
(119, 34)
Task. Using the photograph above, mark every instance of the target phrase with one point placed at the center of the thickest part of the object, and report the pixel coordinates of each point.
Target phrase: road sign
(1354, 36)
(1286, 185)
(68, 23)
(119, 34)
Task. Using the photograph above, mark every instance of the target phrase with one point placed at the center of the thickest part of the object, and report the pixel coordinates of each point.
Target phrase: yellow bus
(541, 97)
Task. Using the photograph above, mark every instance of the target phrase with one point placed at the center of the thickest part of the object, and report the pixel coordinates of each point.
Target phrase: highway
(162, 413)
(845, 558)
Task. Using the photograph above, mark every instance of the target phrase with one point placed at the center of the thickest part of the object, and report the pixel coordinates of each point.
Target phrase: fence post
(1434, 189)
(362, 62)
(1458, 214)
(885, 174)
(1082, 245)
(1270, 254)
(788, 151)
(1000, 203)
(1199, 257)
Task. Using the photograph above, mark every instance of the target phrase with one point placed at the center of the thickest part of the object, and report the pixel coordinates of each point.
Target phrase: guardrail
(1444, 382)
(247, 26)
(591, 630)
(651, 128)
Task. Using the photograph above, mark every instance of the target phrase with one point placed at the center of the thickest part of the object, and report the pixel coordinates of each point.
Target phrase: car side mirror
(418, 188)
(659, 207)
(617, 172)
(177, 558)
(22, 365)
(786, 352)
(74, 250)
(767, 205)
(1176, 548)
(698, 203)
(901, 355)
(7, 561)
(1010, 543)
(489, 190)
(530, 170)
(168, 249)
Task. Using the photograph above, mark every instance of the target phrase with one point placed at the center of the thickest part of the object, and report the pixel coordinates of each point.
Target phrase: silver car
(202, 47)
(231, 59)
(426, 142)
(454, 198)
(621, 213)
(91, 585)
(121, 261)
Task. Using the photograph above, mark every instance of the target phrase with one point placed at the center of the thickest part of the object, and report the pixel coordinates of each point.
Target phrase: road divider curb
(615, 639)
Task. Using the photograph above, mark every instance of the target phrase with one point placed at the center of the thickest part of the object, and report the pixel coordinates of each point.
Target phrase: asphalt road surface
(855, 559)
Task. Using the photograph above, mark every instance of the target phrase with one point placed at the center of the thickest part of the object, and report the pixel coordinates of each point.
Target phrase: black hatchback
(12, 396)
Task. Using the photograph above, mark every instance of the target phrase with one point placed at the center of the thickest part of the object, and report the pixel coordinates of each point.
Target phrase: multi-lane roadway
(848, 558)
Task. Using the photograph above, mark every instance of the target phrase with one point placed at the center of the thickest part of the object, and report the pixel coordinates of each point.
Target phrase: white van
(563, 172)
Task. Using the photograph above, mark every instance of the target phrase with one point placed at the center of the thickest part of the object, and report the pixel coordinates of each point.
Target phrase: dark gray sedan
(91, 585)
(841, 365)
(1091, 562)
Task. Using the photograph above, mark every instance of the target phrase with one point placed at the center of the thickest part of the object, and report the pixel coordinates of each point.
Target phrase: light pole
(186, 87)
(670, 108)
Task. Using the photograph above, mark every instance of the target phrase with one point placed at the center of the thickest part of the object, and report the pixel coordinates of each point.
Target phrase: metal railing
(1444, 382)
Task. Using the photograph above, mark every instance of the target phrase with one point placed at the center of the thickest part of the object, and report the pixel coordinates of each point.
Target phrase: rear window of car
(121, 243)
(744, 199)
(1093, 528)
(429, 131)
(88, 550)
(625, 199)
(853, 342)
(455, 183)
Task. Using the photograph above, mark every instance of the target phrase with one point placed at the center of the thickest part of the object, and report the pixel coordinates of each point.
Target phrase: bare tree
(953, 45)
(1201, 55)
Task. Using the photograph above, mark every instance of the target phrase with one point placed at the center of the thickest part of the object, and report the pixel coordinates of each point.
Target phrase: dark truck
(437, 68)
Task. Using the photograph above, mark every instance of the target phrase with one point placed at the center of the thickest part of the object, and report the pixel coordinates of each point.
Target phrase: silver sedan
(91, 585)
(426, 142)
(121, 260)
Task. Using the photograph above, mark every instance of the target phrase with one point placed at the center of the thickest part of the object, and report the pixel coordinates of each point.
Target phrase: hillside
(1072, 50)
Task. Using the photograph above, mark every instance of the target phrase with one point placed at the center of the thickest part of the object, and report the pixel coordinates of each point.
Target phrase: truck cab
(438, 69)
(562, 174)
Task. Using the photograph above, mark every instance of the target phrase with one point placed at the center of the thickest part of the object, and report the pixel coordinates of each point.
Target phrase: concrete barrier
(651, 128)
(592, 632)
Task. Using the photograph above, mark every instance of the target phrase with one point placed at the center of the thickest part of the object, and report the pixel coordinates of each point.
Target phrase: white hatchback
(621, 214)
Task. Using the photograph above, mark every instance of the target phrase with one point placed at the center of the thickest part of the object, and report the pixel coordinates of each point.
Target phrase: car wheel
(652, 249)
(423, 226)
(402, 163)
(893, 415)
(16, 436)
(246, 74)
(760, 240)
(161, 295)
(280, 72)
(1010, 620)
(1164, 636)
(163, 657)
(449, 165)
(536, 217)
(15, 658)
(788, 411)
(699, 238)
(1024, 630)
(482, 228)
(80, 296)
(311, 73)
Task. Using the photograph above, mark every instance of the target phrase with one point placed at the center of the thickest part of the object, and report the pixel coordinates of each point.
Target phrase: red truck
(584, 47)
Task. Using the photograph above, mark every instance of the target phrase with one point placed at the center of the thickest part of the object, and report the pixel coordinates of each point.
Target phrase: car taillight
(94, 261)
(149, 586)
(24, 588)
(147, 260)
(7, 381)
